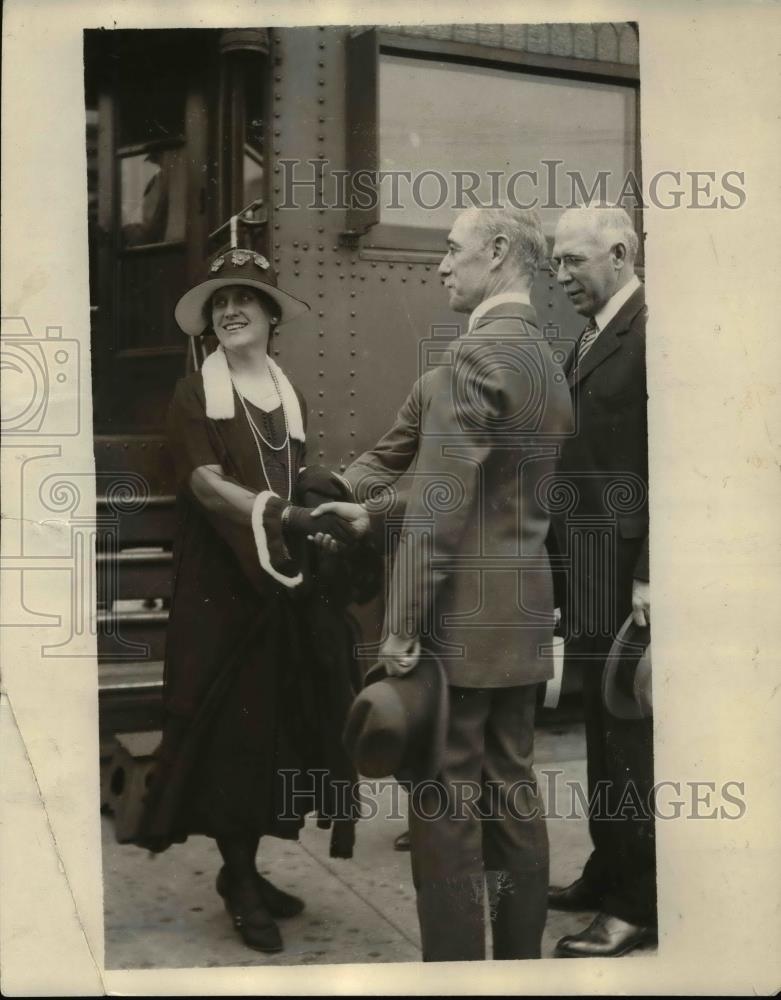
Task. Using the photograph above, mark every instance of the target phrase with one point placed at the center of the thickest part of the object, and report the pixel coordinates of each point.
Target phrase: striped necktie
(587, 338)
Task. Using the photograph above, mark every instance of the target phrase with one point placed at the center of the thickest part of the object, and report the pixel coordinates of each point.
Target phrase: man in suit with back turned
(472, 583)
(602, 540)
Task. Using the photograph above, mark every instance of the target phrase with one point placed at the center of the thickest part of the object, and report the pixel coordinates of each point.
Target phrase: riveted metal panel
(308, 115)
(355, 356)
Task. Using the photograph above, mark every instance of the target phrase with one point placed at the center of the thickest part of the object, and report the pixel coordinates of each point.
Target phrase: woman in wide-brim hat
(258, 655)
(242, 268)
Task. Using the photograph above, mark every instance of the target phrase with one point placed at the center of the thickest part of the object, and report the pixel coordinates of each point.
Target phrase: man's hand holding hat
(399, 655)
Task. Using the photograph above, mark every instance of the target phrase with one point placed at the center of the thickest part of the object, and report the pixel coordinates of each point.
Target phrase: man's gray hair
(523, 229)
(612, 221)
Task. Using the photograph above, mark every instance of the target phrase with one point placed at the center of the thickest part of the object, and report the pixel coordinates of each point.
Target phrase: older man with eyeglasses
(603, 541)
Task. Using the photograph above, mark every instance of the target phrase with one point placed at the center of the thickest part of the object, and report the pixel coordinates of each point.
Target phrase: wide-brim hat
(234, 267)
(626, 681)
(397, 725)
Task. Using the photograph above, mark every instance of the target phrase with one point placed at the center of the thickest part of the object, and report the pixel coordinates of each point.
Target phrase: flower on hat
(189, 309)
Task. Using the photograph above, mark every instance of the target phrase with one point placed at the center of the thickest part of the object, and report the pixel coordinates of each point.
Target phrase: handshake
(331, 525)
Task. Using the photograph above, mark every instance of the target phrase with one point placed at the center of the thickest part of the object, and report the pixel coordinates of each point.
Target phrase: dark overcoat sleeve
(376, 475)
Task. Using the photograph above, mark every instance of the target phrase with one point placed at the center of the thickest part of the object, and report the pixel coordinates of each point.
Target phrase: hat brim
(631, 644)
(189, 309)
(379, 758)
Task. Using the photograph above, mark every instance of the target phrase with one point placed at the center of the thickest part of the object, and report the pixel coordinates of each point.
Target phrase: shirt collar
(610, 309)
(521, 298)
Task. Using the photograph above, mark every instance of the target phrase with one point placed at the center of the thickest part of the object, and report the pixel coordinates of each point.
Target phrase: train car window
(437, 123)
(156, 110)
(149, 95)
(437, 119)
(152, 190)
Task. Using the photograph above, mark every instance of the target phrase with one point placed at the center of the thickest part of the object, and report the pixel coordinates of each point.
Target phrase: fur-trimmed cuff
(269, 541)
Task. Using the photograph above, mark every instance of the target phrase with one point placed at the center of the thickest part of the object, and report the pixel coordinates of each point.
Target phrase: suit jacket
(473, 440)
(601, 527)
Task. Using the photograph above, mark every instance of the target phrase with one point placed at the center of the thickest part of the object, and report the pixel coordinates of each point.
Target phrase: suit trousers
(482, 822)
(622, 866)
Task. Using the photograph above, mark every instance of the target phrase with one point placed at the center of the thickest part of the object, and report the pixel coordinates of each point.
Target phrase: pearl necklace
(258, 437)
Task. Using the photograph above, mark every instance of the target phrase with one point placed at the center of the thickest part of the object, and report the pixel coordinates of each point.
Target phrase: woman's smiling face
(239, 318)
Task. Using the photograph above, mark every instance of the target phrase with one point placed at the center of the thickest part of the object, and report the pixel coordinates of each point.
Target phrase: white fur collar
(218, 390)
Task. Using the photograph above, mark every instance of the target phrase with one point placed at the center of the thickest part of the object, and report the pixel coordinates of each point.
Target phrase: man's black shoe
(605, 937)
(401, 843)
(577, 896)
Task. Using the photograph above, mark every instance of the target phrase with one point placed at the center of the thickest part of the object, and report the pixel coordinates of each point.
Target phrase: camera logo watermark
(58, 568)
(40, 381)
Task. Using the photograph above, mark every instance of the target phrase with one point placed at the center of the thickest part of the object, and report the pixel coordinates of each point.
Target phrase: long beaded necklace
(258, 437)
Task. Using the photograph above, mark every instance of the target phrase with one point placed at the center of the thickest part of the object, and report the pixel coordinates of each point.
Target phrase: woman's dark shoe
(278, 902)
(251, 918)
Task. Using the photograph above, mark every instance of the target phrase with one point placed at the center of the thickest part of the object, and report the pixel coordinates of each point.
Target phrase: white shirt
(610, 309)
(496, 300)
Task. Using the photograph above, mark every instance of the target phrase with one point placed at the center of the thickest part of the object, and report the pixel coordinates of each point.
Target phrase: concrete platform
(161, 911)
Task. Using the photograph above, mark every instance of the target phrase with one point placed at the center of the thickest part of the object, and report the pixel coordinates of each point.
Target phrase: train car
(322, 148)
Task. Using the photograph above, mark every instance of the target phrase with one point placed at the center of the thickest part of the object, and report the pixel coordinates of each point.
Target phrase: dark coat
(475, 437)
(601, 495)
(257, 673)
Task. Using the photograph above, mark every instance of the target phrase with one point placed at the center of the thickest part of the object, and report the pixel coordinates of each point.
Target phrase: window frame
(376, 240)
(178, 142)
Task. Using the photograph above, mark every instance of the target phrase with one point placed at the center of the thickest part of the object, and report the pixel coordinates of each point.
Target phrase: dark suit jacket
(601, 528)
(476, 436)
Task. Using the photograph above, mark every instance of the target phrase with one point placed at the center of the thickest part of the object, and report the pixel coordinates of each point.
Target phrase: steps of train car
(126, 574)
(136, 516)
(130, 698)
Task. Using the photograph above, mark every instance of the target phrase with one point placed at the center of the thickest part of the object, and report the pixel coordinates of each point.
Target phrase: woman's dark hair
(271, 307)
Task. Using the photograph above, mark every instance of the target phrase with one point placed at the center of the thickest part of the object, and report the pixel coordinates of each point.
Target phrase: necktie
(587, 338)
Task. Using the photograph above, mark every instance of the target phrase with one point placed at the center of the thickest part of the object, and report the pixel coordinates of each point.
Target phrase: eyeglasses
(572, 263)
